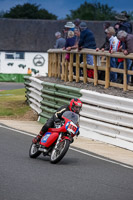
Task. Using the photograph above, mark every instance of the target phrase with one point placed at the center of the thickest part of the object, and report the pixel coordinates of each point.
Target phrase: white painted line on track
(85, 153)
(101, 158)
(18, 131)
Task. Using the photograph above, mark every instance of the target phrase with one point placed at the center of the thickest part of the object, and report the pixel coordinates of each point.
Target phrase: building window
(14, 55)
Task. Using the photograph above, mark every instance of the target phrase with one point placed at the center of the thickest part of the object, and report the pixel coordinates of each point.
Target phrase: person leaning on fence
(70, 41)
(87, 40)
(60, 42)
(105, 46)
(114, 45)
(128, 40)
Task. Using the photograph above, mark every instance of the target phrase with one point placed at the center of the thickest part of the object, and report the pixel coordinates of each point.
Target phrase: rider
(74, 106)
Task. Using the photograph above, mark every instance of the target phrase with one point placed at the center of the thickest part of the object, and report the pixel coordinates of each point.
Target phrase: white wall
(11, 66)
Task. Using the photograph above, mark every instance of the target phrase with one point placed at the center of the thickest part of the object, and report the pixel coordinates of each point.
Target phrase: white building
(15, 65)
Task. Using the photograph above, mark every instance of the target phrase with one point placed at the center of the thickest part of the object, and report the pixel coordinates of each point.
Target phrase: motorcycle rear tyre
(54, 158)
(32, 153)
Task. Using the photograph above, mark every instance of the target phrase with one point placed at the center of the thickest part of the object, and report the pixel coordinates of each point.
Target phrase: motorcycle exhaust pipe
(43, 150)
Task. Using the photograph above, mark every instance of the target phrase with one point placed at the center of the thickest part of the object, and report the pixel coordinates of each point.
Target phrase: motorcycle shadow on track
(66, 161)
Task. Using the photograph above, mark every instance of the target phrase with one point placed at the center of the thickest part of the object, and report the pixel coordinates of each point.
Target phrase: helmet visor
(76, 109)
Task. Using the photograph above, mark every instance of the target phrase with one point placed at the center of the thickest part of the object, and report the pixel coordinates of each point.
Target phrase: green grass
(12, 103)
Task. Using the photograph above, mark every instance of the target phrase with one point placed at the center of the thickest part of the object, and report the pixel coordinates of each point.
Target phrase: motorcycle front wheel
(33, 151)
(59, 152)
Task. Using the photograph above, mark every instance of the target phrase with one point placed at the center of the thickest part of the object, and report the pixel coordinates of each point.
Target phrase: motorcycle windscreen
(49, 138)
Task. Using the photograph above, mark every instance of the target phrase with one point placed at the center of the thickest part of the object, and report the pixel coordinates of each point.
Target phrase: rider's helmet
(75, 105)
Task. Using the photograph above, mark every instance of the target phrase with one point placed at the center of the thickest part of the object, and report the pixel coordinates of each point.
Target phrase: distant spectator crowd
(118, 38)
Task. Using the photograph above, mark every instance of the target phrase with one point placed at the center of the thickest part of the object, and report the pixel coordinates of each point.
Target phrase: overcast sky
(63, 7)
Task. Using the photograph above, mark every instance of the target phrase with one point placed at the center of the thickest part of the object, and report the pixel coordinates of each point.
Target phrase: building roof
(37, 35)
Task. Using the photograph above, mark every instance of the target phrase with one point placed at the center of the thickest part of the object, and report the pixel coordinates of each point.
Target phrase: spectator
(60, 42)
(87, 40)
(70, 41)
(29, 71)
(77, 37)
(114, 43)
(123, 23)
(69, 26)
(77, 23)
(105, 46)
(128, 40)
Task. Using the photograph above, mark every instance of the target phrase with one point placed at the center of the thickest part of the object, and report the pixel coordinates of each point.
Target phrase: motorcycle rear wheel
(58, 153)
(33, 151)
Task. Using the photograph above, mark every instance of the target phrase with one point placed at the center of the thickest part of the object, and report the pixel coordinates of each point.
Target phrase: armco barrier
(103, 117)
(107, 118)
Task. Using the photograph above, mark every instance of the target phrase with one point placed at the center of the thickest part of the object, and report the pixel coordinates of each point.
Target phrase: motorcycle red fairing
(52, 135)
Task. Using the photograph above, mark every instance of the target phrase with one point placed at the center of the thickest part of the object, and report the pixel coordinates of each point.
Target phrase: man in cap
(69, 26)
(87, 40)
(123, 23)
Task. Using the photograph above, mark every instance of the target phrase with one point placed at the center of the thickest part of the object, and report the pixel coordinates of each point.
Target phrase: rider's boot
(38, 137)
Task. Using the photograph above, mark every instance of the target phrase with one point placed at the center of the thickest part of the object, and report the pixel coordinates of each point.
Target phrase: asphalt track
(77, 177)
(10, 85)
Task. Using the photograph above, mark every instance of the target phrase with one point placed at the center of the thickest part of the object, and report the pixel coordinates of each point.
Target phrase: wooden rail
(59, 67)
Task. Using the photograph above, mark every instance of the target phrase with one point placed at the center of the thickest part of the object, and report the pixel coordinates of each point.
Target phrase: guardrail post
(56, 64)
(66, 70)
(63, 67)
(84, 68)
(107, 72)
(95, 71)
(71, 68)
(49, 65)
(125, 76)
(59, 65)
(53, 64)
(77, 67)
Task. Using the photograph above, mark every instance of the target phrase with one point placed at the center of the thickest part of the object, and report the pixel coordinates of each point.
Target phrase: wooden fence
(59, 67)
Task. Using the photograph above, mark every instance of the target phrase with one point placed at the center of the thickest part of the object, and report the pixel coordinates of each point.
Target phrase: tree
(92, 11)
(29, 11)
(130, 13)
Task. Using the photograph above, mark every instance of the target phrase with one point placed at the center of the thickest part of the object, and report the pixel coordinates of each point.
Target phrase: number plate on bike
(72, 128)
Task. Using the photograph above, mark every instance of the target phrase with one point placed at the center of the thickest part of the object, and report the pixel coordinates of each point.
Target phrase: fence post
(125, 76)
(59, 65)
(107, 72)
(77, 67)
(84, 68)
(49, 65)
(56, 65)
(71, 68)
(66, 70)
(95, 71)
(63, 67)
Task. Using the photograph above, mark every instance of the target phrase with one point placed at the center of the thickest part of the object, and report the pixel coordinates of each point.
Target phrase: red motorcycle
(55, 143)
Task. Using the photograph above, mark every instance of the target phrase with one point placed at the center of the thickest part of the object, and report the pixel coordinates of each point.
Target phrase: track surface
(77, 177)
(10, 86)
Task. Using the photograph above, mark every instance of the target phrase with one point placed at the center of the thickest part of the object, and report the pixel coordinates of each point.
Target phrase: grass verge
(13, 103)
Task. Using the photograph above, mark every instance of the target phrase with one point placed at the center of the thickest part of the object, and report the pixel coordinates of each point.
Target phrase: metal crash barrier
(103, 117)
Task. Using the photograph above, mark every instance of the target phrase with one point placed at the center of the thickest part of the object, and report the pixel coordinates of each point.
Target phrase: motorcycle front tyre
(58, 153)
(33, 151)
